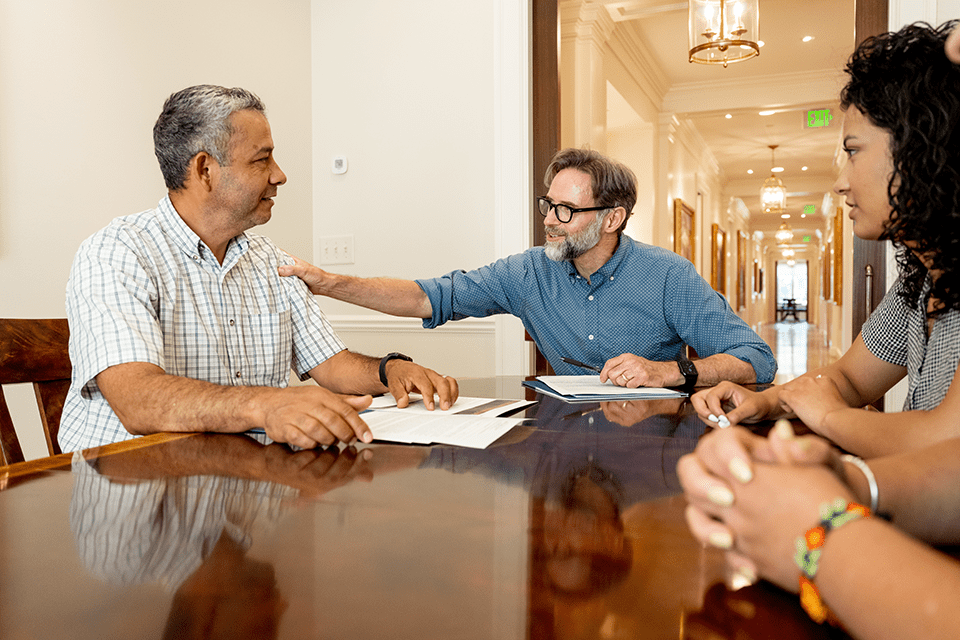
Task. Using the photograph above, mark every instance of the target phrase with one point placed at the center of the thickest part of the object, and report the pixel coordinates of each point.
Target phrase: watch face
(689, 371)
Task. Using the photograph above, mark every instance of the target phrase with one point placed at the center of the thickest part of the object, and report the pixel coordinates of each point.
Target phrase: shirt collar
(189, 242)
(624, 247)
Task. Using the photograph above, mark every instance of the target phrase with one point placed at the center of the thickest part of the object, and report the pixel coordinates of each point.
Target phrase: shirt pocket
(268, 347)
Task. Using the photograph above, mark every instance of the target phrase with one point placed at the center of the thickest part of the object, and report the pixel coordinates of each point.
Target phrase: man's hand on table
(309, 416)
(631, 371)
(404, 378)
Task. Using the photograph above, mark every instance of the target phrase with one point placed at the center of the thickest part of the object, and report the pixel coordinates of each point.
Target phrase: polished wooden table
(570, 526)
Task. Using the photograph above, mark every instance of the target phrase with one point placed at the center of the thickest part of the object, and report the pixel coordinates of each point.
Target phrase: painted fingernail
(742, 577)
(712, 418)
(720, 540)
(720, 496)
(784, 429)
(723, 422)
(740, 470)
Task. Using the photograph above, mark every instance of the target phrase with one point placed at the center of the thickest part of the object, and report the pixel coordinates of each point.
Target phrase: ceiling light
(723, 31)
(750, 171)
(728, 116)
(784, 234)
(785, 216)
(769, 112)
(807, 38)
(773, 195)
(803, 168)
(776, 169)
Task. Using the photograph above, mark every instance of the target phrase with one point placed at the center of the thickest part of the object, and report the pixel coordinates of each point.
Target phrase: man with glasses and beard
(591, 294)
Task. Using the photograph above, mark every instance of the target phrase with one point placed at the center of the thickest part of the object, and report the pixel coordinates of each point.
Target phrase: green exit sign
(809, 209)
(817, 118)
(806, 238)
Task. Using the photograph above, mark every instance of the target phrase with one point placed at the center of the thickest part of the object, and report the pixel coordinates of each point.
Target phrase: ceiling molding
(821, 85)
(628, 47)
(625, 10)
(585, 21)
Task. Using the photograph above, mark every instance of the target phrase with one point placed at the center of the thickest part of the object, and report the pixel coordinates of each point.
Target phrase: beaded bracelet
(833, 515)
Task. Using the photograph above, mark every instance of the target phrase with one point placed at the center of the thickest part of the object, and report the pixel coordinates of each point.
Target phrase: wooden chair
(34, 351)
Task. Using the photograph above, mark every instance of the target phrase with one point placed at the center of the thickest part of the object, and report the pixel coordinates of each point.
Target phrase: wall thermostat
(339, 164)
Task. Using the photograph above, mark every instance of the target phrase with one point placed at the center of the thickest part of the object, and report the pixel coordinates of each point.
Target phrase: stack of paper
(470, 422)
(590, 389)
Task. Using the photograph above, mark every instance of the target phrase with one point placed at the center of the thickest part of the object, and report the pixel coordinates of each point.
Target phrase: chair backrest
(34, 351)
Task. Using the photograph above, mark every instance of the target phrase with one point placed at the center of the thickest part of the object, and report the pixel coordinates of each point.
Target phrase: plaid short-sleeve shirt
(147, 289)
(897, 334)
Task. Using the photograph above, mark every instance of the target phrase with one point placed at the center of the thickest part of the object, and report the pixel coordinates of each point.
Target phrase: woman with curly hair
(791, 509)
(901, 182)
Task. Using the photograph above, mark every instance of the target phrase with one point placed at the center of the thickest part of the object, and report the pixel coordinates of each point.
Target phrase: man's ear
(203, 170)
(613, 220)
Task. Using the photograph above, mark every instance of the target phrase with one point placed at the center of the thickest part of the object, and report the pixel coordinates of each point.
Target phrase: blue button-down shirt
(645, 300)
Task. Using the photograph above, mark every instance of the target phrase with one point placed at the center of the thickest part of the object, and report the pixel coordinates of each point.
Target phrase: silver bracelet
(871, 479)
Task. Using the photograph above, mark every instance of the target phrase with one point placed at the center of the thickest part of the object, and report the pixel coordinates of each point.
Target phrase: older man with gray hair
(179, 320)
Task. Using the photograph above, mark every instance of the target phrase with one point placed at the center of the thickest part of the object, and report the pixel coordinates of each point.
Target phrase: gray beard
(574, 246)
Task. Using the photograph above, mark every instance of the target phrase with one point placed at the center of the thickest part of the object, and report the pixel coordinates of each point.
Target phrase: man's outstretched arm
(386, 295)
(148, 400)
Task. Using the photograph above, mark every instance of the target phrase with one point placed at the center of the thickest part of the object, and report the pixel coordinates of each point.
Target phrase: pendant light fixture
(723, 31)
(773, 195)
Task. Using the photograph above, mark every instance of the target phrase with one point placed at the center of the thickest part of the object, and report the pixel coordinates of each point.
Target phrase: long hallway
(797, 346)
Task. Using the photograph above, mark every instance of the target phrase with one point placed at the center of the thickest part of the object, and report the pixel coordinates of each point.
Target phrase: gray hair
(197, 119)
(614, 184)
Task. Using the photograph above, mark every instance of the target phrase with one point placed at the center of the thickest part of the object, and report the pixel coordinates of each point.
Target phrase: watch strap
(689, 372)
(387, 358)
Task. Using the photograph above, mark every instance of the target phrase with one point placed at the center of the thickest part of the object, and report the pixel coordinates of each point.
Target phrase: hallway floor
(797, 346)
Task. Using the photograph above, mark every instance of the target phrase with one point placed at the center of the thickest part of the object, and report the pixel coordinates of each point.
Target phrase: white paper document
(470, 422)
(463, 406)
(590, 386)
(477, 432)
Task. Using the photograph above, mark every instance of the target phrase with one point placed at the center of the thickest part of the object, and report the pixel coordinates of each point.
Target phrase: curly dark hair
(904, 83)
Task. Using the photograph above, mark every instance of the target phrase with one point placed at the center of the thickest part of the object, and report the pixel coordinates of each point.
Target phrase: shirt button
(231, 322)
(589, 297)
(590, 337)
(238, 375)
(611, 277)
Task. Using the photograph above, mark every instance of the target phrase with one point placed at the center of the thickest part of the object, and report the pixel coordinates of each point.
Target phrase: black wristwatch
(689, 372)
(387, 358)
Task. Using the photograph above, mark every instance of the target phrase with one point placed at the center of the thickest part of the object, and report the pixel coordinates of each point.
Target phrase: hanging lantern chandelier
(773, 195)
(784, 233)
(723, 31)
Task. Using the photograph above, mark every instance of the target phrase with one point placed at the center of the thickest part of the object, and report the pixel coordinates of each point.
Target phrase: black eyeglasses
(564, 213)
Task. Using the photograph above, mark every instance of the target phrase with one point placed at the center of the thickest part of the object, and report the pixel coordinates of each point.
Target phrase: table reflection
(569, 526)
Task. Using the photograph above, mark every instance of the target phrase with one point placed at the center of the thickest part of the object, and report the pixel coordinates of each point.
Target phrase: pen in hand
(582, 365)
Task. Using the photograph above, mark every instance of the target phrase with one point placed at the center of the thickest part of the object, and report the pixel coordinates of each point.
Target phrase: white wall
(80, 87)
(433, 119)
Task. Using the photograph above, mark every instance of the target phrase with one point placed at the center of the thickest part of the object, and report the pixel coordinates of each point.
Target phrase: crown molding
(637, 59)
(822, 85)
